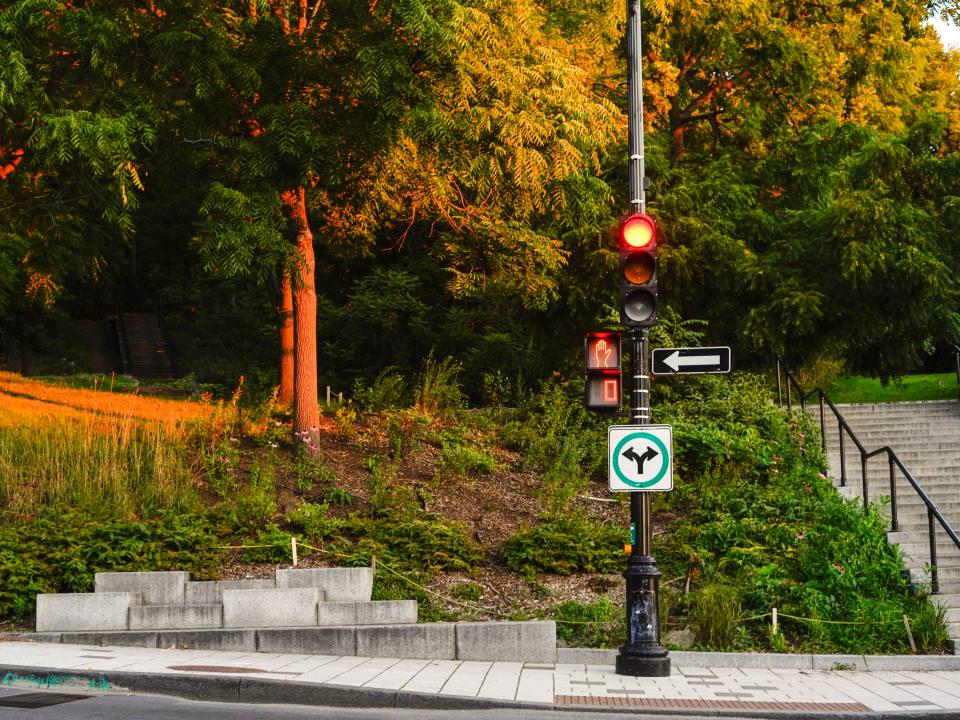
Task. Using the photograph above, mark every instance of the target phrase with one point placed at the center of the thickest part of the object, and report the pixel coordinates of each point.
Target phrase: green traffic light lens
(639, 305)
(638, 268)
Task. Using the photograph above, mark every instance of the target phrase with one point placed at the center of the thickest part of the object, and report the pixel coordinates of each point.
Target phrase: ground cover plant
(856, 389)
(476, 513)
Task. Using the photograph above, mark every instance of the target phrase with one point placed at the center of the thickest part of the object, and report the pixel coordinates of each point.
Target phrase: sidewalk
(384, 682)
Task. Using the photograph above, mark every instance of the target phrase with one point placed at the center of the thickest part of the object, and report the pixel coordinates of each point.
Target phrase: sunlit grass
(117, 455)
(854, 389)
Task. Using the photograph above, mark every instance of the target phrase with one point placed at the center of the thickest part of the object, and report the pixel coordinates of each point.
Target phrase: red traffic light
(637, 232)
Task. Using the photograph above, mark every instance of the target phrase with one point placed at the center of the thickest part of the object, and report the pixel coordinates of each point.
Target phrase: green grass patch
(854, 389)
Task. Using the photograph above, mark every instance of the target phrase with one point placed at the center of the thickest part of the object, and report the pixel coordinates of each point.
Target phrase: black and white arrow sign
(690, 361)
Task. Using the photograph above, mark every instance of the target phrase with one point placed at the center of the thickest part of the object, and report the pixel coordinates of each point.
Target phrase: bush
(716, 611)
(61, 552)
(315, 521)
(463, 461)
(389, 390)
(565, 544)
(594, 625)
(426, 544)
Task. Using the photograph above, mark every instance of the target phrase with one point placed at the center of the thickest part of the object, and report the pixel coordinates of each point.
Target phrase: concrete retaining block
(278, 607)
(176, 617)
(520, 641)
(308, 641)
(231, 640)
(156, 588)
(60, 612)
(210, 592)
(430, 641)
(338, 584)
(375, 612)
(111, 639)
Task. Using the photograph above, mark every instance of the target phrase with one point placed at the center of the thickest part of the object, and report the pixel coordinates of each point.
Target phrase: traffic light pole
(642, 656)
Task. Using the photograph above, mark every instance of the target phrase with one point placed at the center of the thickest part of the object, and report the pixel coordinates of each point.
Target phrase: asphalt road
(155, 707)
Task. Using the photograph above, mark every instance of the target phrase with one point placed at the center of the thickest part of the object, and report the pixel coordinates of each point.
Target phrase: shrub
(716, 611)
(61, 552)
(425, 545)
(462, 460)
(275, 546)
(595, 625)
(388, 390)
(565, 544)
(315, 521)
(438, 387)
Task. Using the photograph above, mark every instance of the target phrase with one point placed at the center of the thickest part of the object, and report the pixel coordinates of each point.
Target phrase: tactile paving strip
(691, 704)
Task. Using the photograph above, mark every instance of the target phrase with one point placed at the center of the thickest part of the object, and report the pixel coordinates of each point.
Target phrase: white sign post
(640, 458)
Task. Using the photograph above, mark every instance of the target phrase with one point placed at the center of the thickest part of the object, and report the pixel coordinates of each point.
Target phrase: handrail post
(863, 473)
(934, 579)
(894, 525)
(843, 458)
(780, 386)
(823, 423)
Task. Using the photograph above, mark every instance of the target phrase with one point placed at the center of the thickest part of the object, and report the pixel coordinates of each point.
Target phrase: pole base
(643, 665)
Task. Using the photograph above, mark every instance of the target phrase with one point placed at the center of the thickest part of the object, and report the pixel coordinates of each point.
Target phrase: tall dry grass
(114, 455)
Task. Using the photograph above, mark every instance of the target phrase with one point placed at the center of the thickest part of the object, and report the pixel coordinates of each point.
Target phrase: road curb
(217, 688)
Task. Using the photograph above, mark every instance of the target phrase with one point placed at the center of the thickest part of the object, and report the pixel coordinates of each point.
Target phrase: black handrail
(956, 356)
(933, 512)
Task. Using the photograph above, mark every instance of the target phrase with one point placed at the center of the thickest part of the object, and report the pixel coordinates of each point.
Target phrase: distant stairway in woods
(926, 438)
(141, 346)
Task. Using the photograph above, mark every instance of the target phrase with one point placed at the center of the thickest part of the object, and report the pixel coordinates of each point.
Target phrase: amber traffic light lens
(638, 269)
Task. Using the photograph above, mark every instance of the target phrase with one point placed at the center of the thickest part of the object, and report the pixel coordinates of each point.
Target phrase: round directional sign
(641, 458)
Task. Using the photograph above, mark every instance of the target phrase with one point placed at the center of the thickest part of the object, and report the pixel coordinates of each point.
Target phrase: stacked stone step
(323, 611)
(171, 601)
(926, 438)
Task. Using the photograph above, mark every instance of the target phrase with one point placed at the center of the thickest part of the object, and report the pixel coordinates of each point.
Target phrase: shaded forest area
(445, 174)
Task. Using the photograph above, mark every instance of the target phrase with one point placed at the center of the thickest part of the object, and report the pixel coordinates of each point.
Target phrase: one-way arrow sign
(691, 361)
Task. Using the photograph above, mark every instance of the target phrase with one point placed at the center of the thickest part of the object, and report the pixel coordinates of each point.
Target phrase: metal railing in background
(934, 515)
(955, 349)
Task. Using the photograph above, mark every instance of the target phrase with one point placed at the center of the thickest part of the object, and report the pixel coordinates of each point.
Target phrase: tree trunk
(285, 319)
(306, 410)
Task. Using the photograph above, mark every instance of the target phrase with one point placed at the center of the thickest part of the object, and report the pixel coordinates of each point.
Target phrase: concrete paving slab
(397, 675)
(361, 674)
(466, 679)
(432, 677)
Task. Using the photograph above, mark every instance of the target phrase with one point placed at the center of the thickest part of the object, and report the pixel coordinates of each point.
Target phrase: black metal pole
(642, 656)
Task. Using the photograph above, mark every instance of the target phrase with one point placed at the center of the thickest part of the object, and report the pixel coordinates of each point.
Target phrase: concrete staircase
(926, 438)
(315, 611)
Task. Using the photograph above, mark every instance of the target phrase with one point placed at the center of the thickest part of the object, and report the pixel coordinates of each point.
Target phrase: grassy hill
(477, 513)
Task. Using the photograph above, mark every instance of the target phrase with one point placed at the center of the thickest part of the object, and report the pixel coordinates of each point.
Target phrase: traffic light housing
(637, 239)
(603, 382)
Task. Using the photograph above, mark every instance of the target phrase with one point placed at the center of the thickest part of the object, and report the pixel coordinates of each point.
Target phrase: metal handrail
(956, 356)
(893, 460)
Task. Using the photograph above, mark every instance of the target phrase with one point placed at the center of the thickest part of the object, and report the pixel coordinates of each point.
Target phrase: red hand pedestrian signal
(601, 354)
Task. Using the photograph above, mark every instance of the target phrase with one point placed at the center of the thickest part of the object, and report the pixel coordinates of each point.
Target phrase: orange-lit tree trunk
(306, 410)
(285, 317)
